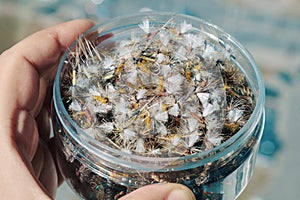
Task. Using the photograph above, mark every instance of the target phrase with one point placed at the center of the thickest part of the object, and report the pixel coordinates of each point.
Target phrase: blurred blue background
(269, 29)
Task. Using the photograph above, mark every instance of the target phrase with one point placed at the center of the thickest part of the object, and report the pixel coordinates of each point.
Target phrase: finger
(38, 160)
(48, 176)
(44, 48)
(45, 169)
(34, 57)
(52, 148)
(43, 124)
(25, 134)
(170, 191)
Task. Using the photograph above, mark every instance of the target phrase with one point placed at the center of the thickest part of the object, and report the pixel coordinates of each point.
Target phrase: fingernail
(180, 194)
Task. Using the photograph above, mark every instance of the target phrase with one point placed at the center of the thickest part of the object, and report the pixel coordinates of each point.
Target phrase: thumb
(168, 191)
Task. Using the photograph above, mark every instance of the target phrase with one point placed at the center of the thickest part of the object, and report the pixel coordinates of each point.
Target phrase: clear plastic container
(96, 169)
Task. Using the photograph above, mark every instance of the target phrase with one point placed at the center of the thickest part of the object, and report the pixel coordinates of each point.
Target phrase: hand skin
(27, 167)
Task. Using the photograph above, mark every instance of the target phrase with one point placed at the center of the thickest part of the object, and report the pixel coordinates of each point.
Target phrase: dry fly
(153, 97)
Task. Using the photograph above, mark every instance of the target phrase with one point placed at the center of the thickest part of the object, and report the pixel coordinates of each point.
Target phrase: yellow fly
(188, 74)
(160, 85)
(101, 99)
(119, 69)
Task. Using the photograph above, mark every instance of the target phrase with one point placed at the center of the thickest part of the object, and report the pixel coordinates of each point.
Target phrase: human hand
(27, 71)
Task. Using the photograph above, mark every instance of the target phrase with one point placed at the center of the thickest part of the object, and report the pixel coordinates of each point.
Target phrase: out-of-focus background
(269, 29)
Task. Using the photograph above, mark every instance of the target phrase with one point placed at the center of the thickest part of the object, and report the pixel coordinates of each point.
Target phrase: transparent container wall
(96, 171)
(226, 182)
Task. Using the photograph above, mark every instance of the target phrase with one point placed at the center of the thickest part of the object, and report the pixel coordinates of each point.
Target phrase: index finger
(44, 48)
(27, 68)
